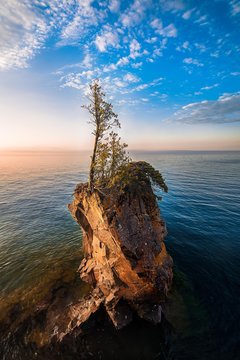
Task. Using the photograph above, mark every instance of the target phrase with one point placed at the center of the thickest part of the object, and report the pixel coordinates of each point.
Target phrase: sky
(171, 69)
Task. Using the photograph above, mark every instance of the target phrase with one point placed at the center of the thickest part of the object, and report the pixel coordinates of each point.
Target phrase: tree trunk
(97, 120)
(92, 166)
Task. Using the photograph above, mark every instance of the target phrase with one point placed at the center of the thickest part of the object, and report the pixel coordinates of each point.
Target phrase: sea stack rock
(125, 258)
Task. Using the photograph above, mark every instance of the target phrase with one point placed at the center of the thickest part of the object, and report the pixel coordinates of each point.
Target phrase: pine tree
(118, 155)
(102, 164)
(103, 118)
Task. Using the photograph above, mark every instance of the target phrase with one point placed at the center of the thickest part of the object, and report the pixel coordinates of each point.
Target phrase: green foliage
(138, 176)
(108, 152)
(103, 118)
(111, 156)
(111, 168)
(101, 164)
(118, 155)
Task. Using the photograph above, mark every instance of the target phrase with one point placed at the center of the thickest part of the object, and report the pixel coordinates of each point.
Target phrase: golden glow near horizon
(41, 126)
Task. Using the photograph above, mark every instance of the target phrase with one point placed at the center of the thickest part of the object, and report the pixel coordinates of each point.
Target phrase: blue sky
(170, 68)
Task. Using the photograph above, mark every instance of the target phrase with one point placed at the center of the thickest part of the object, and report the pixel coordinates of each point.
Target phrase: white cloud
(107, 39)
(168, 31)
(202, 20)
(110, 67)
(73, 81)
(119, 83)
(87, 61)
(121, 62)
(131, 78)
(158, 51)
(134, 49)
(226, 109)
(141, 87)
(128, 101)
(151, 40)
(236, 73)
(172, 5)
(162, 97)
(114, 5)
(135, 13)
(184, 46)
(187, 14)
(26, 25)
(82, 16)
(79, 80)
(235, 7)
(22, 33)
(192, 61)
(134, 52)
(137, 65)
(157, 25)
(201, 47)
(209, 87)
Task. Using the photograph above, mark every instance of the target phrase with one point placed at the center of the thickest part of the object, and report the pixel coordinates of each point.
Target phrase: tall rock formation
(125, 264)
(125, 258)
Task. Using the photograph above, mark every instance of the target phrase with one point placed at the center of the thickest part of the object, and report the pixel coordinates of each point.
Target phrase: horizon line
(60, 150)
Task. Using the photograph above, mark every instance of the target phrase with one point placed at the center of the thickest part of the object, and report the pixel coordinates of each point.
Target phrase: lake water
(39, 241)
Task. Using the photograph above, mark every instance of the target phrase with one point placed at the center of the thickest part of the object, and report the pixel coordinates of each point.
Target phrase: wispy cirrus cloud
(144, 86)
(206, 88)
(26, 25)
(22, 33)
(210, 87)
(226, 109)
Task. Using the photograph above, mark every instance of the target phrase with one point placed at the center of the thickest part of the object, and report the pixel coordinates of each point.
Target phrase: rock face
(125, 259)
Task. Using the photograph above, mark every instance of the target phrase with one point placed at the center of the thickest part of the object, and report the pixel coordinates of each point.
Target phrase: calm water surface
(39, 239)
